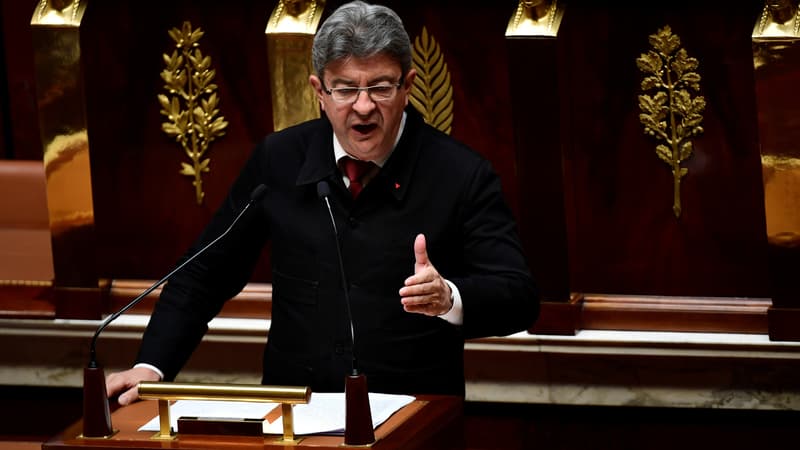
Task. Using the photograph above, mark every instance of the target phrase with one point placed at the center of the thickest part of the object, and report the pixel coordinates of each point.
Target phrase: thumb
(420, 253)
(128, 396)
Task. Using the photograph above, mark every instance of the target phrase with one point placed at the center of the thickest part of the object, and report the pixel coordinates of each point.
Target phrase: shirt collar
(339, 152)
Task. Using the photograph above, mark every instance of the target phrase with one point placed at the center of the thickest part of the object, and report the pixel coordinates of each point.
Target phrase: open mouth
(365, 128)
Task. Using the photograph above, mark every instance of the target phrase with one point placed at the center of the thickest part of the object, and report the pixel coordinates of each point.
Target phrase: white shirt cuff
(151, 367)
(456, 313)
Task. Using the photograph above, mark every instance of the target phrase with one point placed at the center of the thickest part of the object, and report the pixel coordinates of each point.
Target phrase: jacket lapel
(319, 163)
(396, 174)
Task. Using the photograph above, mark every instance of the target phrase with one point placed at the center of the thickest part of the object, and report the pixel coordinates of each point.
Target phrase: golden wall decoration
(432, 93)
(671, 114)
(290, 34)
(56, 37)
(779, 19)
(59, 12)
(536, 18)
(191, 103)
(776, 60)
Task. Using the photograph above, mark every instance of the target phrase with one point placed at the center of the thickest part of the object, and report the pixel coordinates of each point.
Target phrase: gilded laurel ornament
(191, 103)
(432, 93)
(671, 114)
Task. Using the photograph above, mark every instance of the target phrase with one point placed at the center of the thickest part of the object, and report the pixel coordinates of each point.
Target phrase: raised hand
(425, 292)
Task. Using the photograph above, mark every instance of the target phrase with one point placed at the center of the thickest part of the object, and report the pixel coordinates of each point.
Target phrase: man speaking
(391, 242)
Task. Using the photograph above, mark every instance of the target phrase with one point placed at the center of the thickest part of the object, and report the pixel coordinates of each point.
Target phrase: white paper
(324, 413)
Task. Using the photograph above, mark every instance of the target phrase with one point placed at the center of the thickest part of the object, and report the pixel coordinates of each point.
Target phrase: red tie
(355, 169)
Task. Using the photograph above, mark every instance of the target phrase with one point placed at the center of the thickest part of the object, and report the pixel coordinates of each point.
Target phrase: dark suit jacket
(431, 184)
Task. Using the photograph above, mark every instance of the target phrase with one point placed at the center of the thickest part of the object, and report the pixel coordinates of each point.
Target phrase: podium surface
(429, 422)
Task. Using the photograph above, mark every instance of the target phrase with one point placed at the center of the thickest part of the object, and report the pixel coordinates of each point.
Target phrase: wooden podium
(429, 422)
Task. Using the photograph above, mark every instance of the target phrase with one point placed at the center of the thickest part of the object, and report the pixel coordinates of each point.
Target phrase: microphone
(96, 414)
(323, 191)
(358, 429)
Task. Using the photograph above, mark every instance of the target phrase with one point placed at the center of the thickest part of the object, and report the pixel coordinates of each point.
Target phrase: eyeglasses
(378, 93)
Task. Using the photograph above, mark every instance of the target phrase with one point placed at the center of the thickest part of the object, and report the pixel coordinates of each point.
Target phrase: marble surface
(615, 368)
(612, 368)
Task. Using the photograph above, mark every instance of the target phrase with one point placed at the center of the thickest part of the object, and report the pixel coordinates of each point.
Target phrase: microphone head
(258, 192)
(323, 189)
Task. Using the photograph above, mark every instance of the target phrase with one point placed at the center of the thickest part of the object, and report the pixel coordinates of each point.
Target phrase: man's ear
(408, 80)
(408, 83)
(316, 84)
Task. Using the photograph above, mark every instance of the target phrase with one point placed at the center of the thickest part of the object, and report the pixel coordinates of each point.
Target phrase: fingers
(129, 396)
(116, 383)
(432, 298)
(126, 383)
(425, 292)
(420, 253)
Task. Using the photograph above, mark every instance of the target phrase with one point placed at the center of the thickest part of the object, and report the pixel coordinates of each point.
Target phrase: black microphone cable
(256, 195)
(323, 191)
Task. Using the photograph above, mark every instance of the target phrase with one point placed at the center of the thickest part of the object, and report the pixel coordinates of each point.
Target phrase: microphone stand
(358, 428)
(96, 413)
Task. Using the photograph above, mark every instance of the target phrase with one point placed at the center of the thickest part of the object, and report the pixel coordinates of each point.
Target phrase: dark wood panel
(255, 300)
(473, 46)
(551, 427)
(6, 143)
(428, 422)
(627, 239)
(615, 214)
(27, 302)
(559, 317)
(539, 120)
(657, 313)
(783, 324)
(145, 216)
(146, 213)
(20, 130)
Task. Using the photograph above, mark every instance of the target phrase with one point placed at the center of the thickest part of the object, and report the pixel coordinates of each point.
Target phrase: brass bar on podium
(165, 392)
(225, 392)
(164, 427)
(288, 421)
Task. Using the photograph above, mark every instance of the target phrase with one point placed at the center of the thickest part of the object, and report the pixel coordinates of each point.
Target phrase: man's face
(366, 128)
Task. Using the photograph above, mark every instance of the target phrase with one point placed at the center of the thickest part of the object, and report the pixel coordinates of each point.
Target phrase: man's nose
(363, 103)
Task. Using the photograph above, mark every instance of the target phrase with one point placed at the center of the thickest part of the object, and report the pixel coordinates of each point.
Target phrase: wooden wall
(559, 121)
(628, 239)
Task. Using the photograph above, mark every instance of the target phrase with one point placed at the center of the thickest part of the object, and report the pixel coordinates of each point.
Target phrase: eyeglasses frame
(358, 90)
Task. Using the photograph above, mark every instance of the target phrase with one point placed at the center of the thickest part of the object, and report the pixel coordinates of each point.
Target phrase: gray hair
(361, 30)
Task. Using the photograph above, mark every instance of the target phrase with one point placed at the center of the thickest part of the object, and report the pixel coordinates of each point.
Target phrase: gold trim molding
(188, 80)
(779, 19)
(27, 283)
(59, 12)
(671, 115)
(296, 17)
(432, 92)
(536, 18)
(59, 68)
(290, 34)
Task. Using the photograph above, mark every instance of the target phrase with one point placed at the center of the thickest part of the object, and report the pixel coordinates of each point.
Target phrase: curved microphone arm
(323, 191)
(257, 193)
